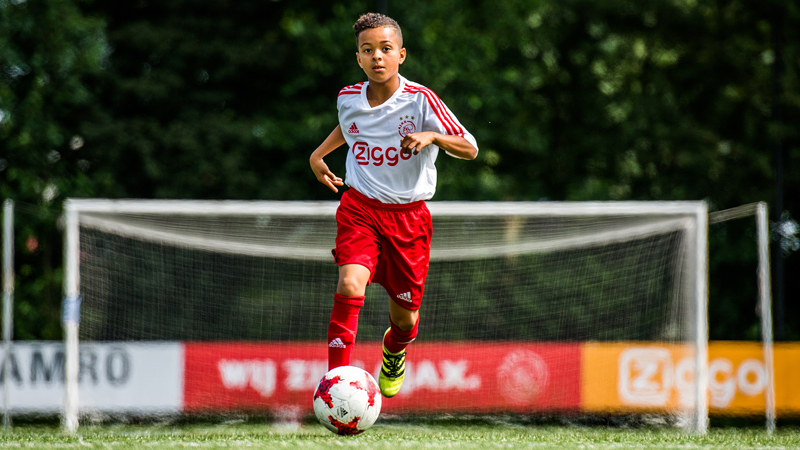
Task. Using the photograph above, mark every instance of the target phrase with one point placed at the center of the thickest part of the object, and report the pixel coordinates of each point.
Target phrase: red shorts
(393, 241)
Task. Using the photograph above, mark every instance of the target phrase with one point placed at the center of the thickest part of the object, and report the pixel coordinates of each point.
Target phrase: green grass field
(394, 436)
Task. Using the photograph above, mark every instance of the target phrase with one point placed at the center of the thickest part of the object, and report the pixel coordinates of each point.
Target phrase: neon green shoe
(392, 372)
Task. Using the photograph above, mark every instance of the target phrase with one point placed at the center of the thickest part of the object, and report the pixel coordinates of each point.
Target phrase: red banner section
(465, 377)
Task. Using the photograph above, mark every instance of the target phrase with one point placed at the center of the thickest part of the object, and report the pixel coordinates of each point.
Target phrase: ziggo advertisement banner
(466, 377)
(651, 377)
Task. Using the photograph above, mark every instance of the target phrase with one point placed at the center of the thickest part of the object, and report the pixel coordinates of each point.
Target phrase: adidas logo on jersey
(353, 129)
(337, 343)
(405, 296)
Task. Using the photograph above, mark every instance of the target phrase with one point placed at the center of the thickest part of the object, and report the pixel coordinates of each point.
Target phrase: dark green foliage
(569, 100)
(47, 49)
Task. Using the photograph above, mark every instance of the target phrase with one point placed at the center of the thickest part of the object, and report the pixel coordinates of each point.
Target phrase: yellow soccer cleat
(393, 371)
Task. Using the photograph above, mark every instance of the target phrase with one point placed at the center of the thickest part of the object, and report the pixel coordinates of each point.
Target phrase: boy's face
(380, 54)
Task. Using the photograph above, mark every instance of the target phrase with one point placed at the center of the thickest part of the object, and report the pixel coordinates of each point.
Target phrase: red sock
(397, 340)
(342, 329)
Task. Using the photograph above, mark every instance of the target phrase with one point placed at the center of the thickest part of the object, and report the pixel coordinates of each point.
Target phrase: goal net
(529, 308)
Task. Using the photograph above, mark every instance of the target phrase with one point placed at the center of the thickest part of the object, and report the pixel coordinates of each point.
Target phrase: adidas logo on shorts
(337, 343)
(405, 296)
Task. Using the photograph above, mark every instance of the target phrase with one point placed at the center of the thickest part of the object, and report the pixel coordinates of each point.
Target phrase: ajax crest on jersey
(347, 400)
(406, 127)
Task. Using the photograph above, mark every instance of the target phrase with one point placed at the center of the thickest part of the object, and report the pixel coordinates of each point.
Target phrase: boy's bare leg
(403, 329)
(347, 303)
(405, 319)
(353, 279)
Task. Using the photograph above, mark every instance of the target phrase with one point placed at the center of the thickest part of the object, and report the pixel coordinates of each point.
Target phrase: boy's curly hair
(375, 20)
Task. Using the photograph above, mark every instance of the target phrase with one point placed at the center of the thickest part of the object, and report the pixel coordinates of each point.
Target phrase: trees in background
(569, 100)
(48, 49)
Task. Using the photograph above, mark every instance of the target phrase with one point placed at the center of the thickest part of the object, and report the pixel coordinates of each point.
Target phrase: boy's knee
(351, 286)
(405, 323)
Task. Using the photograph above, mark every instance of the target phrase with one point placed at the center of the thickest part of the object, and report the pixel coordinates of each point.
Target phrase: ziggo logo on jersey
(377, 155)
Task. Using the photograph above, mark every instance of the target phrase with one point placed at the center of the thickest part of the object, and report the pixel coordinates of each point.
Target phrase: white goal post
(8, 300)
(759, 210)
(589, 224)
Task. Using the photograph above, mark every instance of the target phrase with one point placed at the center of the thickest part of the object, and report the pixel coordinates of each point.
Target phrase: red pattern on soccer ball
(325, 386)
(346, 429)
(371, 388)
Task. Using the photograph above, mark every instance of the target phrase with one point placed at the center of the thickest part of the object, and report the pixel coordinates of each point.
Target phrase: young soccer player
(394, 129)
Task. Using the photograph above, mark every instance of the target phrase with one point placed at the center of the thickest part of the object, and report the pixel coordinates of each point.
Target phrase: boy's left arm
(452, 144)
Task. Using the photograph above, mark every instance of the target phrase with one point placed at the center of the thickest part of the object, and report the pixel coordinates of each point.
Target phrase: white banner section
(114, 377)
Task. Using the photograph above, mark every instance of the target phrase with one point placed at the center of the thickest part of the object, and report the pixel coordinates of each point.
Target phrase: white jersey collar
(390, 100)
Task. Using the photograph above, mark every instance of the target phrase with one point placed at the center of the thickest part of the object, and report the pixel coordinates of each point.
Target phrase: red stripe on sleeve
(438, 113)
(354, 89)
(442, 116)
(446, 125)
(458, 130)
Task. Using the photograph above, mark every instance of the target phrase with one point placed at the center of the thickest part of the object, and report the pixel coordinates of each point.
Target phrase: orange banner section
(634, 376)
(631, 376)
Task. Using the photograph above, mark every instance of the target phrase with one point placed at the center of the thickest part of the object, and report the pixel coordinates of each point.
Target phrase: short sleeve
(439, 118)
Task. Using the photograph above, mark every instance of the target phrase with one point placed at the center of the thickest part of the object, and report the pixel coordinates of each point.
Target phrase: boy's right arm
(323, 174)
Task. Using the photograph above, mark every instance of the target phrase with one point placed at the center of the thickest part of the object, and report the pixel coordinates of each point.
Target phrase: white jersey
(375, 165)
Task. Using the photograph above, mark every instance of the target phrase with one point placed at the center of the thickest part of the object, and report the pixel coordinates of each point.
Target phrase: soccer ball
(347, 400)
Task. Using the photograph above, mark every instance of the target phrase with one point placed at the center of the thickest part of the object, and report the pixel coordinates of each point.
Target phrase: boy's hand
(414, 142)
(324, 175)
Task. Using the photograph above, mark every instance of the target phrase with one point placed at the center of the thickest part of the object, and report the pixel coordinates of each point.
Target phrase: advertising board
(467, 377)
(114, 376)
(630, 376)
